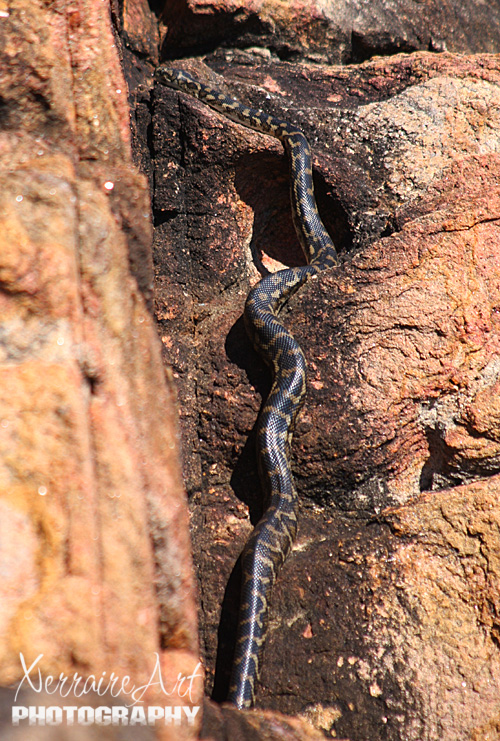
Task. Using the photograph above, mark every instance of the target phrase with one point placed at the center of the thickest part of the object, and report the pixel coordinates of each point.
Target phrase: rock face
(334, 31)
(385, 620)
(96, 566)
(385, 616)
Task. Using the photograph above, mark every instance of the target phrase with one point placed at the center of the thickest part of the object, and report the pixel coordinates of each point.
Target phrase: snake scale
(273, 536)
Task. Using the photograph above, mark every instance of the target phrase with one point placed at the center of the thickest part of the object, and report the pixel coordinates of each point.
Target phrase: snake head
(176, 78)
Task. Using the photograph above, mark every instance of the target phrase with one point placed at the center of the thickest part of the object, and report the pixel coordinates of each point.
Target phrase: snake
(274, 534)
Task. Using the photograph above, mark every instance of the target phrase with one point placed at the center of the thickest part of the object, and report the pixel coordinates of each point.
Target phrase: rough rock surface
(226, 722)
(385, 620)
(95, 559)
(334, 31)
(402, 347)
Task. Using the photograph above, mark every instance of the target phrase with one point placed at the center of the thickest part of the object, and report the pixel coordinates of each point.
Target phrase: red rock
(95, 543)
(321, 31)
(401, 343)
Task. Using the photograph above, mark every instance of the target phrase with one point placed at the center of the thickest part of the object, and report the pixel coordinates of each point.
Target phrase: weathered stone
(228, 722)
(401, 343)
(385, 619)
(95, 550)
(445, 610)
(139, 29)
(340, 31)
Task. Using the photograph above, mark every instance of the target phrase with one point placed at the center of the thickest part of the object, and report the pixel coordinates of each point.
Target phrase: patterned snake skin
(273, 536)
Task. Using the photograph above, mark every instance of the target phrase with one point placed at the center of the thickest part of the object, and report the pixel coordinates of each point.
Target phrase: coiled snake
(273, 536)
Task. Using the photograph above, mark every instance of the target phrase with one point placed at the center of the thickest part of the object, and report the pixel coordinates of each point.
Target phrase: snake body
(273, 536)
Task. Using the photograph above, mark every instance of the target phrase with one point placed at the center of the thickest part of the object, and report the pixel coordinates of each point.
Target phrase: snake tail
(272, 538)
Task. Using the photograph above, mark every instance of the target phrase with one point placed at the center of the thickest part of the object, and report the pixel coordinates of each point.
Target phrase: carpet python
(273, 536)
